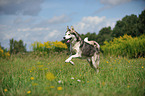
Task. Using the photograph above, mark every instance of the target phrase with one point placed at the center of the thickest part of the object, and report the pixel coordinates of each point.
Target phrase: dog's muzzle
(68, 40)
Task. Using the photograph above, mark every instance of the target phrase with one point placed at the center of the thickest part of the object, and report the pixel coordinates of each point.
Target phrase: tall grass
(125, 46)
(26, 74)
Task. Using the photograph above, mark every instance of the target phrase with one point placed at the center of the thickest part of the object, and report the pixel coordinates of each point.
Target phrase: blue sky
(46, 20)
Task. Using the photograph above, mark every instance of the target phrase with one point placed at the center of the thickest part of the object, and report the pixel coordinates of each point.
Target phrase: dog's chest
(76, 46)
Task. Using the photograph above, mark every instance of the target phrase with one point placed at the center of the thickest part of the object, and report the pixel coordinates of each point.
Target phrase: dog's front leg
(73, 56)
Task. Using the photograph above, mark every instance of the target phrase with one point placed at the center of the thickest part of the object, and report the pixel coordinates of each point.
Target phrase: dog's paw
(72, 63)
(66, 61)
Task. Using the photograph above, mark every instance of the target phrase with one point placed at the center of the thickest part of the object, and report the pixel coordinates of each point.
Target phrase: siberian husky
(83, 48)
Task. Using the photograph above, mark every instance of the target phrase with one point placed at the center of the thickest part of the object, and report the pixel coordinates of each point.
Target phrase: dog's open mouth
(68, 40)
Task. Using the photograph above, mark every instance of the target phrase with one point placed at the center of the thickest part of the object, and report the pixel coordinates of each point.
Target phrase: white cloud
(12, 7)
(94, 24)
(88, 24)
(33, 29)
(114, 2)
(110, 4)
(59, 19)
(54, 34)
(24, 20)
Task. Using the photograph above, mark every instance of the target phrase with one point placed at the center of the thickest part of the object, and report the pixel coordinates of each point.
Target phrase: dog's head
(71, 35)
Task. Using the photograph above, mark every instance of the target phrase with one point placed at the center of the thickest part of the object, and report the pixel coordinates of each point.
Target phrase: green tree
(22, 47)
(11, 45)
(104, 35)
(17, 46)
(128, 25)
(141, 24)
(91, 36)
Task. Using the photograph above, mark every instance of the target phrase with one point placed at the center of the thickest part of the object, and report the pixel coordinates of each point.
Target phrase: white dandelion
(72, 77)
(60, 81)
(79, 80)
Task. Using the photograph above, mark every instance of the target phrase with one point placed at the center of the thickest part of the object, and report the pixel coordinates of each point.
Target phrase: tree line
(17, 46)
(130, 25)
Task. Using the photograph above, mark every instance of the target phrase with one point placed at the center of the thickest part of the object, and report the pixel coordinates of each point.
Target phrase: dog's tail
(97, 45)
(86, 39)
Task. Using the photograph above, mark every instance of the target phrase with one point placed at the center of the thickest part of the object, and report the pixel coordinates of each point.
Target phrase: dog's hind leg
(90, 62)
(71, 62)
(95, 62)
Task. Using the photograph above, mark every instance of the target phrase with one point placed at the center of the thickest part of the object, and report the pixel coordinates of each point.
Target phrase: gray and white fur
(83, 48)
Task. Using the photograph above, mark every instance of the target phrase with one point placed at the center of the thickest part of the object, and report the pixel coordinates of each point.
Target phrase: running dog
(83, 48)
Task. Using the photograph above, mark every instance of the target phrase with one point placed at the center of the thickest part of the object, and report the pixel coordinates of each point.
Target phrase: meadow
(48, 75)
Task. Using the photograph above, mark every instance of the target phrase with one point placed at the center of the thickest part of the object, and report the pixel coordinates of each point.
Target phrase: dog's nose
(63, 37)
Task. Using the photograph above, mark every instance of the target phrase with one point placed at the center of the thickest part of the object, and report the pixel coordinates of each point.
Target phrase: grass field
(28, 74)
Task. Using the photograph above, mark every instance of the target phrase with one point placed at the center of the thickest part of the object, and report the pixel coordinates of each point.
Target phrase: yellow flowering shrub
(59, 46)
(3, 53)
(47, 44)
(56, 46)
(125, 46)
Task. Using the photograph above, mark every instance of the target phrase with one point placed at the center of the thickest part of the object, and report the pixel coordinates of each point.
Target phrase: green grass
(27, 75)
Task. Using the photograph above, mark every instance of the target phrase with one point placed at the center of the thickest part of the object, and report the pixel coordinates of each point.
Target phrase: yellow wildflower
(32, 78)
(48, 46)
(40, 66)
(5, 90)
(51, 86)
(103, 83)
(34, 84)
(59, 88)
(50, 76)
(142, 67)
(38, 62)
(7, 54)
(28, 92)
(128, 86)
(1, 50)
(44, 68)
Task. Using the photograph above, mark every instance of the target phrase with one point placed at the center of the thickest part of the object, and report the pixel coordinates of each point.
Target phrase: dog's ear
(72, 29)
(68, 28)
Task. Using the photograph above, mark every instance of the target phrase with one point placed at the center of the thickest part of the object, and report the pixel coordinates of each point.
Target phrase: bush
(4, 53)
(48, 46)
(125, 46)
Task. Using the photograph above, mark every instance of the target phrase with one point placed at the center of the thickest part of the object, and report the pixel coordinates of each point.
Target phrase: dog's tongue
(68, 41)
